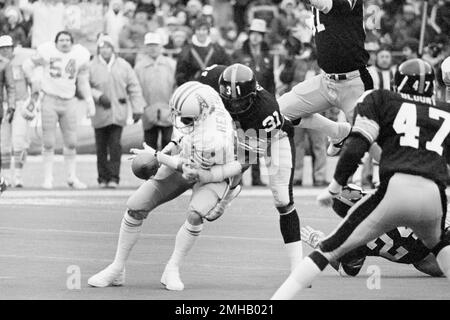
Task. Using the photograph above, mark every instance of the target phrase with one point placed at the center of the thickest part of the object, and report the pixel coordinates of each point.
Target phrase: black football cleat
(353, 267)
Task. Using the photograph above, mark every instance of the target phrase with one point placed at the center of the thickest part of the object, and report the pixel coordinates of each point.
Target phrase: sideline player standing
(413, 130)
(65, 68)
(339, 36)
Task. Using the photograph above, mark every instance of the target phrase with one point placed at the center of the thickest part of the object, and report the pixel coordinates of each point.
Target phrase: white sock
(295, 253)
(130, 229)
(443, 259)
(184, 241)
(70, 163)
(333, 129)
(48, 157)
(299, 279)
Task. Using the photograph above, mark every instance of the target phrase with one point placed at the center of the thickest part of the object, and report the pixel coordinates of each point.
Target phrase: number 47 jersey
(413, 132)
(61, 69)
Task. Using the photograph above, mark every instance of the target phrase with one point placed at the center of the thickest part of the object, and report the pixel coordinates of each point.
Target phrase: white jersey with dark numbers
(61, 69)
(212, 141)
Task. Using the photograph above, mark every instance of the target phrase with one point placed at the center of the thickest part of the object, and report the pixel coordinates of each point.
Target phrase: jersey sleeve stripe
(367, 127)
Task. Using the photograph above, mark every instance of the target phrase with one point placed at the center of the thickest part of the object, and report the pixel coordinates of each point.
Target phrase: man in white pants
(65, 67)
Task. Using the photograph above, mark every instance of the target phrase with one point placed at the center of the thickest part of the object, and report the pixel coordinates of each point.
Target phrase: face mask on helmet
(238, 105)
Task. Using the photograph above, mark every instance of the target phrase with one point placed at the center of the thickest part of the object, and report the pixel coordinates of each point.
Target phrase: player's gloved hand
(90, 107)
(136, 117)
(190, 173)
(146, 149)
(104, 102)
(10, 114)
(325, 198)
(28, 112)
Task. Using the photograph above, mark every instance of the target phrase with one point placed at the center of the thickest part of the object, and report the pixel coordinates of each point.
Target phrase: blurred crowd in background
(179, 38)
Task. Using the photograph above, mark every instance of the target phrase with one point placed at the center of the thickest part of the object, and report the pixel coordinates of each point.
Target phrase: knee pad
(138, 214)
(194, 217)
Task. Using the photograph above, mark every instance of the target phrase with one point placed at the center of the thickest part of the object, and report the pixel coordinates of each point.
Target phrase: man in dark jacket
(255, 54)
(200, 54)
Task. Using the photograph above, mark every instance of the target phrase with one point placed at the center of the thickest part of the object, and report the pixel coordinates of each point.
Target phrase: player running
(208, 143)
(262, 132)
(399, 245)
(339, 37)
(65, 68)
(413, 130)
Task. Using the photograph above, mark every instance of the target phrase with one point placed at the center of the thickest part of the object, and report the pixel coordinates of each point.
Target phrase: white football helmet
(191, 103)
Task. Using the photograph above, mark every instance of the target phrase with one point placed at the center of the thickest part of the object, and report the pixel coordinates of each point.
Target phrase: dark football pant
(404, 200)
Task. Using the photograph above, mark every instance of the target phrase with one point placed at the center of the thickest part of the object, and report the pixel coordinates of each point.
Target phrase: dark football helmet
(350, 195)
(415, 76)
(237, 88)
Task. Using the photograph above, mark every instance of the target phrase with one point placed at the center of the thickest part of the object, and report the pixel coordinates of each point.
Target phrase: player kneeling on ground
(399, 245)
(413, 130)
(202, 160)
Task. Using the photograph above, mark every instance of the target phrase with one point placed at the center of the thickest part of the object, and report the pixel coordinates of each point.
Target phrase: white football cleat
(171, 279)
(311, 237)
(76, 184)
(108, 277)
(336, 145)
(48, 184)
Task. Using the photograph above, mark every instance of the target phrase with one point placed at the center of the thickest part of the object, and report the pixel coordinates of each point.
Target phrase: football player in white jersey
(445, 67)
(65, 69)
(207, 142)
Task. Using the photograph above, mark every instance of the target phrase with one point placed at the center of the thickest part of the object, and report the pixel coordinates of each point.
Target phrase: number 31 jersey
(61, 69)
(413, 132)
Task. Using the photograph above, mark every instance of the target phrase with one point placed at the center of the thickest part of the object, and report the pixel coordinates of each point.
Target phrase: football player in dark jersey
(339, 37)
(413, 130)
(399, 245)
(262, 132)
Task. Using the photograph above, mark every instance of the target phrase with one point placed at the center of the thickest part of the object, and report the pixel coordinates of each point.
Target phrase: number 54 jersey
(61, 69)
(413, 132)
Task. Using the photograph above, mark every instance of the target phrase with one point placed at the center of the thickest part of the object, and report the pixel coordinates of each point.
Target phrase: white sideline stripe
(250, 192)
(137, 262)
(143, 235)
(255, 192)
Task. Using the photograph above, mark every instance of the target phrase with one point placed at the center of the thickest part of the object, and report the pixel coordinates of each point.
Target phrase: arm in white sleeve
(218, 173)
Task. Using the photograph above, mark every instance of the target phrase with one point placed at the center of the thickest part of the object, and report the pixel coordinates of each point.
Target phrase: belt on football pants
(343, 76)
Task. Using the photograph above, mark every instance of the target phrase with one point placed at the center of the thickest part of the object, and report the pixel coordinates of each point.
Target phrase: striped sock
(184, 241)
(130, 229)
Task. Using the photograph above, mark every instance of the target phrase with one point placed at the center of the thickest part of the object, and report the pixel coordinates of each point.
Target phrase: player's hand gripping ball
(144, 166)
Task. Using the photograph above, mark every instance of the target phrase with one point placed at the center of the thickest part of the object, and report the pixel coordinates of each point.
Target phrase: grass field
(43, 234)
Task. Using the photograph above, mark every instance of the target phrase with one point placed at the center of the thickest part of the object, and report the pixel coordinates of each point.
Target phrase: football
(144, 166)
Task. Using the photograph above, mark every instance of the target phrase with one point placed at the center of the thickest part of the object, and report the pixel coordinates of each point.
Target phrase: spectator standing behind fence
(7, 86)
(200, 54)
(131, 37)
(113, 84)
(14, 131)
(255, 54)
(48, 18)
(156, 74)
(114, 21)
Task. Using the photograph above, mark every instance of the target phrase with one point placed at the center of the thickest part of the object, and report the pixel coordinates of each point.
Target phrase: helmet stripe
(192, 89)
(181, 95)
(422, 76)
(233, 80)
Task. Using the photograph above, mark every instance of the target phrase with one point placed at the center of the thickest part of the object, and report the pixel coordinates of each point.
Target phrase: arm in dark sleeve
(342, 6)
(355, 148)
